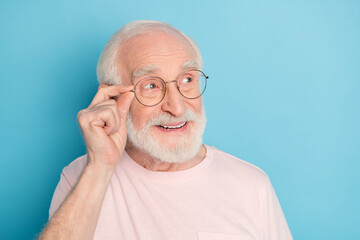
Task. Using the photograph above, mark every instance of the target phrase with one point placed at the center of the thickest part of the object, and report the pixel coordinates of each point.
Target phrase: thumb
(123, 103)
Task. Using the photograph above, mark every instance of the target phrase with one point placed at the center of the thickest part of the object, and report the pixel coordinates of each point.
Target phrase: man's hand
(104, 127)
(103, 124)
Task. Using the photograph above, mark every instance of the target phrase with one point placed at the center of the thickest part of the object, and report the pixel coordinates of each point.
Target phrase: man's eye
(187, 80)
(150, 86)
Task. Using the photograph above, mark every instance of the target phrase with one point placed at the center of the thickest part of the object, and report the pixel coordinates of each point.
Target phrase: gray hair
(107, 71)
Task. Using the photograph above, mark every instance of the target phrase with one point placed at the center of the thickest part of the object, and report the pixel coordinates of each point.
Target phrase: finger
(123, 103)
(105, 119)
(109, 104)
(107, 92)
(106, 103)
(102, 85)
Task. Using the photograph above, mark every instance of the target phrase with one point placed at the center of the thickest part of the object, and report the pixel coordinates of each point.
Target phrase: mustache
(165, 118)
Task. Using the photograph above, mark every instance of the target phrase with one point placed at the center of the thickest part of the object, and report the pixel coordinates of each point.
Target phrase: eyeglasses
(150, 91)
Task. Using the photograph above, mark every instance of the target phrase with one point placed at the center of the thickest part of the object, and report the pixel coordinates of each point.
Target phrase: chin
(171, 146)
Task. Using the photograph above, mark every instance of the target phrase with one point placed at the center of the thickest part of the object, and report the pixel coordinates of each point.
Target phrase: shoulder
(73, 171)
(233, 167)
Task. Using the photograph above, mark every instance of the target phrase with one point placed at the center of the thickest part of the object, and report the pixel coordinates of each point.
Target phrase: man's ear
(103, 85)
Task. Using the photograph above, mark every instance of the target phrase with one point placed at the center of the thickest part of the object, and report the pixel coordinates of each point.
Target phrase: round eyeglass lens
(150, 91)
(192, 84)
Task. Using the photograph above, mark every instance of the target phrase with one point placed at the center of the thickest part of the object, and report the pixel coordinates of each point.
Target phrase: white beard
(185, 148)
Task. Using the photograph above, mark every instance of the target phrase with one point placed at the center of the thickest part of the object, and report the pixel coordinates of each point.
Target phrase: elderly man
(146, 174)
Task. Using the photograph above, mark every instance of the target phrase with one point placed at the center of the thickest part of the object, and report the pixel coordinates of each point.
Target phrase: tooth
(173, 127)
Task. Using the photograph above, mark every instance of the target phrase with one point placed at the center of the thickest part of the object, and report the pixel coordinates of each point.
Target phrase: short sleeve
(61, 191)
(274, 222)
(68, 180)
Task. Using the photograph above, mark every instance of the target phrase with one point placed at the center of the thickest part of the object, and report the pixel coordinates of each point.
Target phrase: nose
(173, 102)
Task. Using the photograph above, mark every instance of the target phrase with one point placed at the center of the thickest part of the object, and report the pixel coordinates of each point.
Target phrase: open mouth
(173, 127)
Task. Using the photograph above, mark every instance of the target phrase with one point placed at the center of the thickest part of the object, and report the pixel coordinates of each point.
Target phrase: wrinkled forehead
(152, 68)
(156, 42)
(155, 36)
(146, 52)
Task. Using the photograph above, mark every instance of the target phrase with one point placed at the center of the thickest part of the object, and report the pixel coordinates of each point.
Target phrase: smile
(172, 127)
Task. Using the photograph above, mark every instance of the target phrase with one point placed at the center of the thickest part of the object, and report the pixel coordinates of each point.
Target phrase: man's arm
(77, 216)
(104, 129)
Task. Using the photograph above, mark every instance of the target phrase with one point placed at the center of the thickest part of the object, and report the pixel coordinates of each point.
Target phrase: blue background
(283, 94)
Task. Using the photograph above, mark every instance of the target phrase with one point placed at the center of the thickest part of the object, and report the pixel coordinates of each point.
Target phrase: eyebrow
(151, 68)
(144, 71)
(191, 64)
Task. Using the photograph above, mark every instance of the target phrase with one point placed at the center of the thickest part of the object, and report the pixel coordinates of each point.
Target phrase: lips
(173, 126)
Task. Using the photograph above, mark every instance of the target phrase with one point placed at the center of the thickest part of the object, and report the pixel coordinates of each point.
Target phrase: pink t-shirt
(220, 198)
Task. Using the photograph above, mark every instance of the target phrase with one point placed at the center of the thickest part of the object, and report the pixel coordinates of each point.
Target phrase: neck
(147, 161)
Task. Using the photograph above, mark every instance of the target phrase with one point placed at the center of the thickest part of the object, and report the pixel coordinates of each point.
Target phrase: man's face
(178, 121)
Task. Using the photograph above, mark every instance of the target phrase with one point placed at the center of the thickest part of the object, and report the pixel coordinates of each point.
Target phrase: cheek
(195, 104)
(134, 114)
(140, 115)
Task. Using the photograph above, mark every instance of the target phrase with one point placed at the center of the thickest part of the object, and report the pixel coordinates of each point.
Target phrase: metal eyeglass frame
(177, 86)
